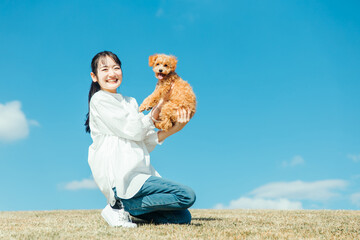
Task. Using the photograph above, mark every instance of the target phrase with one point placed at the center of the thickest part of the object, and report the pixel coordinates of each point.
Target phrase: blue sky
(277, 84)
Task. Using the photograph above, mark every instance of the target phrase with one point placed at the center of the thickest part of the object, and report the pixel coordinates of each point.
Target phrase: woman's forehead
(107, 61)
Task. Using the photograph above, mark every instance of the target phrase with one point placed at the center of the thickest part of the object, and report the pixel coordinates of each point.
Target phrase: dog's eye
(157, 64)
(165, 65)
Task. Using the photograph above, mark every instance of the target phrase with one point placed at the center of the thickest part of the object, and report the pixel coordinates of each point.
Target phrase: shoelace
(125, 217)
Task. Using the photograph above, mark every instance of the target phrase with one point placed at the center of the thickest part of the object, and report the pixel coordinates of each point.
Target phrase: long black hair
(95, 87)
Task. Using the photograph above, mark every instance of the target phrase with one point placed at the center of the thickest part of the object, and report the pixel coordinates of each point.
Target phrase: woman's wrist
(152, 117)
(162, 135)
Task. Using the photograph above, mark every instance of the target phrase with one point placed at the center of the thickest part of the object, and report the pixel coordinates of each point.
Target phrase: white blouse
(122, 139)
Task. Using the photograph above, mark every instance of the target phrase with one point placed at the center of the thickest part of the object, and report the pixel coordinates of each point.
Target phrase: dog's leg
(167, 116)
(150, 101)
(165, 124)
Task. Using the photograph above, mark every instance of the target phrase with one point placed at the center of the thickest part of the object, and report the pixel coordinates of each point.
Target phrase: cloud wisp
(288, 195)
(13, 123)
(296, 160)
(261, 203)
(159, 12)
(80, 185)
(299, 190)
(354, 157)
(355, 199)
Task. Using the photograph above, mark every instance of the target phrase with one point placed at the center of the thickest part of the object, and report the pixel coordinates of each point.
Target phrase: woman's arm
(110, 116)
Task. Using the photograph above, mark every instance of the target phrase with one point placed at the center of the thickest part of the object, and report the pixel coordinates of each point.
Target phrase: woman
(119, 155)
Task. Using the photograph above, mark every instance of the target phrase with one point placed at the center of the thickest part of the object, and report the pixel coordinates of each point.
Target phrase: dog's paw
(141, 108)
(144, 107)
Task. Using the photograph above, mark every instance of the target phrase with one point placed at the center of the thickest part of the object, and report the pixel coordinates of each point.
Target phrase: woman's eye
(104, 69)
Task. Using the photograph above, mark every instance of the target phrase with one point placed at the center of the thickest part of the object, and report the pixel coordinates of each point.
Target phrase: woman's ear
(93, 76)
(152, 60)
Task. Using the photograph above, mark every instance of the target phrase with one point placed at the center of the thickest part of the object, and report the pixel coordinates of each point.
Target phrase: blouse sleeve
(151, 138)
(111, 117)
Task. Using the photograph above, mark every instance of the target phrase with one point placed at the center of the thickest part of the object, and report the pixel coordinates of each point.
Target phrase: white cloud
(299, 190)
(296, 160)
(288, 195)
(355, 199)
(261, 203)
(354, 157)
(13, 122)
(83, 184)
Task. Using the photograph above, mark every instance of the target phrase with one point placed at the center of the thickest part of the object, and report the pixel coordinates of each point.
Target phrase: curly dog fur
(181, 95)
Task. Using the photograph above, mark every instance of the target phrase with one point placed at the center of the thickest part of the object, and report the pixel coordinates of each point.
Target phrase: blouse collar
(116, 95)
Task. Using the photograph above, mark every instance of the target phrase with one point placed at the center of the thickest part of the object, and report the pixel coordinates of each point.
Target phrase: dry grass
(207, 224)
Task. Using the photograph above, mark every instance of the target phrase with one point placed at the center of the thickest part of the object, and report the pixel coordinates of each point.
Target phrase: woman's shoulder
(130, 99)
(96, 98)
(117, 98)
(96, 95)
(101, 97)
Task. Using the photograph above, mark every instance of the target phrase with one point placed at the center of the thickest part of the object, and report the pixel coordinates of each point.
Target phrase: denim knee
(189, 197)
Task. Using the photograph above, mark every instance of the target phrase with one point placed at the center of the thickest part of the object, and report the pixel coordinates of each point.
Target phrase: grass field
(206, 224)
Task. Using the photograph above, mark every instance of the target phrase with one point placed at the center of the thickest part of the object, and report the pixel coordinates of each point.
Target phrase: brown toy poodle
(181, 95)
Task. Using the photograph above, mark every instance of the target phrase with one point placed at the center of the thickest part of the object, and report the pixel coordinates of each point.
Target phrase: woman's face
(109, 75)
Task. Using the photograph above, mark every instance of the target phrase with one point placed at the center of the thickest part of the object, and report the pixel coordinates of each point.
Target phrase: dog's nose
(160, 70)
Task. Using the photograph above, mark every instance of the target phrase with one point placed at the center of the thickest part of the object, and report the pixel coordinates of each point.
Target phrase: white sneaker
(117, 217)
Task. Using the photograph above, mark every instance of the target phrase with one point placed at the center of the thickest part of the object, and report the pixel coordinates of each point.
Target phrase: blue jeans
(161, 201)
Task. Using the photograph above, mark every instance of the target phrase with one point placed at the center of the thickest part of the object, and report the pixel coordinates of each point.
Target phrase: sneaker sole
(124, 224)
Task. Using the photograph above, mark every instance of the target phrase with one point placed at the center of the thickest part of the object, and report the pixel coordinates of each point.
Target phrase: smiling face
(162, 65)
(108, 75)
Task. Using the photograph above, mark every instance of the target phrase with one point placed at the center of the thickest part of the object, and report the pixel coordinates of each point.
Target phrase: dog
(178, 92)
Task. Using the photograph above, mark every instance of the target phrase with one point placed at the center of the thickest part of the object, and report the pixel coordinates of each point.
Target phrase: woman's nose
(111, 72)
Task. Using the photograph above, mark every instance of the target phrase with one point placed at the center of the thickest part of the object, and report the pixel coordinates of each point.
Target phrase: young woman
(119, 155)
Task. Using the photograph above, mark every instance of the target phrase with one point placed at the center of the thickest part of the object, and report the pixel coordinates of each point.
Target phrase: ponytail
(95, 87)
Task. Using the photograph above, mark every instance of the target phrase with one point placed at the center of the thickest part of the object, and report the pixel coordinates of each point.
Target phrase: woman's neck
(110, 90)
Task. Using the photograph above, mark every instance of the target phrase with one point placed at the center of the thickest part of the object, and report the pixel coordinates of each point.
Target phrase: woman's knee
(189, 197)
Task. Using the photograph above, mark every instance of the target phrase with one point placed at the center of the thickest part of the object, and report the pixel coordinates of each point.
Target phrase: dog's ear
(173, 62)
(152, 60)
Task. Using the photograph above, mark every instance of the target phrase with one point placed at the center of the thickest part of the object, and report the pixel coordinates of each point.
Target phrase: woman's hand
(156, 111)
(183, 117)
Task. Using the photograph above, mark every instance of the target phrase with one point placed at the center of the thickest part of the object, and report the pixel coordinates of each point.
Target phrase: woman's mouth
(112, 80)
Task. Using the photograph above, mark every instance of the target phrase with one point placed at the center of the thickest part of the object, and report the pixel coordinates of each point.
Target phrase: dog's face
(162, 65)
